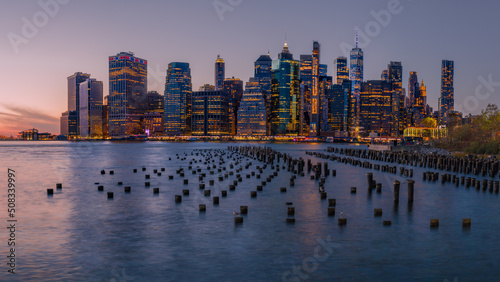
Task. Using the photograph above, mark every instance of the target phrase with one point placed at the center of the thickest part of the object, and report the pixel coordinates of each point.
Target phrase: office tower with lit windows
(90, 111)
(206, 87)
(153, 122)
(155, 102)
(339, 96)
(314, 128)
(378, 102)
(323, 70)
(412, 87)
(341, 70)
(447, 91)
(177, 105)
(356, 77)
(210, 113)
(74, 97)
(128, 80)
(421, 99)
(262, 72)
(356, 68)
(220, 72)
(285, 94)
(234, 88)
(384, 76)
(252, 111)
(305, 76)
(395, 71)
(325, 83)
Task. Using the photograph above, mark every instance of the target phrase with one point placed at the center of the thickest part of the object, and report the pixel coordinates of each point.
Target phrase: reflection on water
(78, 234)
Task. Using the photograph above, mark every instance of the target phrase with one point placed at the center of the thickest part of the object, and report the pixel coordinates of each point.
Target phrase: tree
(429, 122)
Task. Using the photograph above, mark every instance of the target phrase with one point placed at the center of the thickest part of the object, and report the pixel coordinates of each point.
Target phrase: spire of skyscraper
(356, 37)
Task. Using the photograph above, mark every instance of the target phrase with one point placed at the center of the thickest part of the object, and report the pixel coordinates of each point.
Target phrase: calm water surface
(80, 235)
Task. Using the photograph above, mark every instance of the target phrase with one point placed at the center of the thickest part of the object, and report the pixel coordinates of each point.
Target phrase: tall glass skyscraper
(252, 111)
(356, 68)
(128, 80)
(356, 77)
(341, 70)
(74, 98)
(285, 94)
(395, 71)
(378, 104)
(90, 108)
(412, 87)
(315, 95)
(338, 106)
(447, 99)
(220, 72)
(262, 72)
(178, 89)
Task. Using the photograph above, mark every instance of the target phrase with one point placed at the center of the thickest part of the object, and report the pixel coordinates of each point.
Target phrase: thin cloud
(18, 119)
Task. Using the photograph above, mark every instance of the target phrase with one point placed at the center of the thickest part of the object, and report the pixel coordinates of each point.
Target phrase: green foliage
(429, 122)
(479, 137)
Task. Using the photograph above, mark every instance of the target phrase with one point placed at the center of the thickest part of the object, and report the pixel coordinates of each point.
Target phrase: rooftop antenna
(356, 37)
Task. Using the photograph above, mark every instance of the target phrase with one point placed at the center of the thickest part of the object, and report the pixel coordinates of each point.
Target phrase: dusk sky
(80, 35)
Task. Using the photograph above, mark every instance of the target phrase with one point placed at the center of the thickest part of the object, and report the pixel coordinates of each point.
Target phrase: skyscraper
(210, 113)
(178, 89)
(252, 111)
(395, 71)
(356, 69)
(128, 80)
(220, 72)
(285, 94)
(315, 96)
(384, 76)
(90, 111)
(412, 87)
(341, 70)
(262, 72)
(447, 91)
(378, 104)
(74, 97)
(234, 88)
(338, 105)
(356, 77)
(305, 76)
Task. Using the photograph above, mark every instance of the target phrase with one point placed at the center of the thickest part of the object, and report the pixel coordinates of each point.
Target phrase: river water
(79, 235)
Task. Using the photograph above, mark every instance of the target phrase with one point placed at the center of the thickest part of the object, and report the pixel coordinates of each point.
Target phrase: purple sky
(80, 35)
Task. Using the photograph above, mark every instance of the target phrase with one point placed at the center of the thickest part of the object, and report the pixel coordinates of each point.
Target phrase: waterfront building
(262, 72)
(305, 76)
(90, 111)
(74, 96)
(412, 88)
(395, 71)
(252, 119)
(210, 113)
(314, 129)
(127, 92)
(339, 97)
(177, 105)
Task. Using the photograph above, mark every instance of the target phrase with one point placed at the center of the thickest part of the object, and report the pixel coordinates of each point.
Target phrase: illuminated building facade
(395, 71)
(285, 94)
(128, 80)
(412, 88)
(339, 97)
(252, 111)
(210, 113)
(447, 90)
(262, 72)
(177, 105)
(155, 102)
(207, 87)
(153, 124)
(341, 70)
(234, 88)
(90, 116)
(378, 105)
(325, 83)
(220, 72)
(315, 95)
(305, 76)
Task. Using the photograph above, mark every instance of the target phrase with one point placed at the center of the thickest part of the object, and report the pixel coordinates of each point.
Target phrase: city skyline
(53, 53)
